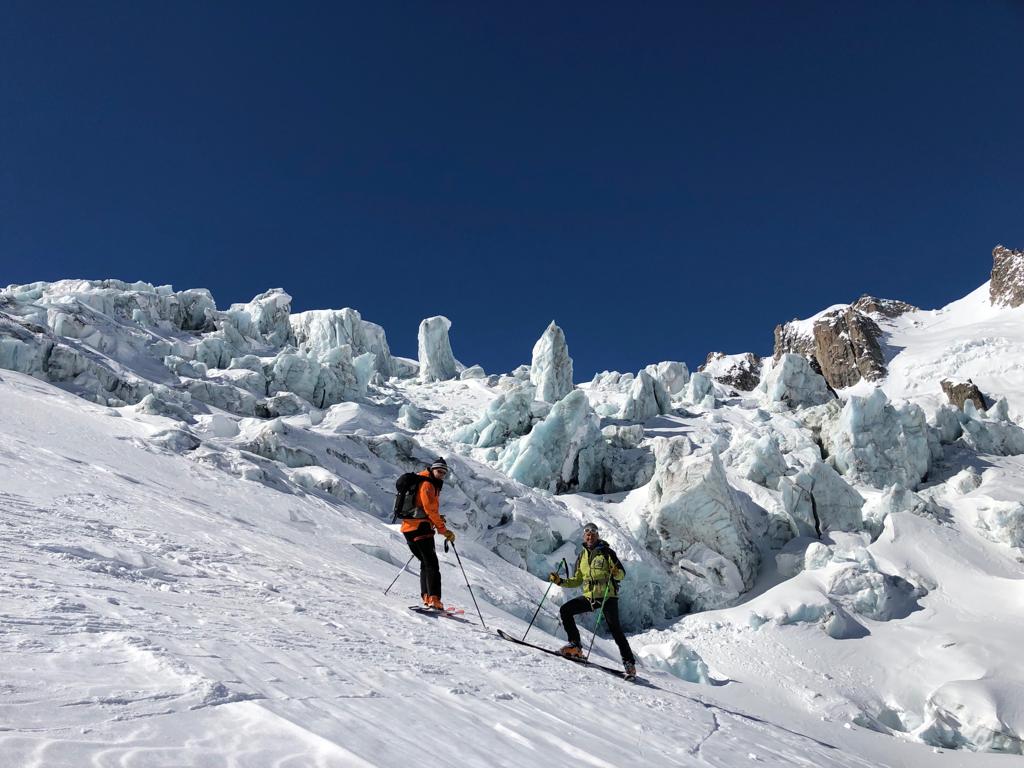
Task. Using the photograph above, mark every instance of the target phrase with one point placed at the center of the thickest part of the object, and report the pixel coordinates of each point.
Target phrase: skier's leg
(570, 609)
(415, 539)
(611, 615)
(431, 568)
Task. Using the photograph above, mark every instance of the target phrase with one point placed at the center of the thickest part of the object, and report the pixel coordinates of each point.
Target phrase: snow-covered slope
(196, 548)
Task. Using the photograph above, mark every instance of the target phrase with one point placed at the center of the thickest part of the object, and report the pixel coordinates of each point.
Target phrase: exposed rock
(1007, 285)
(847, 347)
(551, 367)
(740, 371)
(960, 392)
(884, 307)
(844, 342)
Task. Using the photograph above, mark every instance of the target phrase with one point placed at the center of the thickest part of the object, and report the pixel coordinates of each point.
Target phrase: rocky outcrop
(885, 307)
(1007, 286)
(843, 343)
(740, 371)
(960, 392)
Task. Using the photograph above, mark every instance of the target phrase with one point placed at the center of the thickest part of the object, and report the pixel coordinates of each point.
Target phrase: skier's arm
(577, 578)
(428, 501)
(618, 572)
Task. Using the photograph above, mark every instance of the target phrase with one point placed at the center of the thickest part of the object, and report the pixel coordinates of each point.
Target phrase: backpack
(407, 487)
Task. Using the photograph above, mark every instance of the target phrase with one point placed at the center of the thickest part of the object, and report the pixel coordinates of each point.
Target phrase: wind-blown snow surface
(184, 585)
(156, 612)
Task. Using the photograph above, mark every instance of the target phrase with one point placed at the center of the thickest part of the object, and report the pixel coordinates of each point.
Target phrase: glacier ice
(437, 363)
(612, 381)
(690, 502)
(818, 500)
(699, 387)
(506, 417)
(671, 375)
(757, 458)
(264, 319)
(793, 382)
(1001, 521)
(320, 479)
(974, 713)
(861, 587)
(647, 398)
(628, 436)
(874, 443)
(896, 498)
(322, 330)
(563, 452)
(473, 372)
(226, 397)
(551, 366)
(991, 431)
(410, 417)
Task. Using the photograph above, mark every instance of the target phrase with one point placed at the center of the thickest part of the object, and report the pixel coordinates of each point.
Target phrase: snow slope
(155, 612)
(197, 578)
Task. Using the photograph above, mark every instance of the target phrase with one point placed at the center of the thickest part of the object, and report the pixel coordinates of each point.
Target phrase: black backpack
(407, 486)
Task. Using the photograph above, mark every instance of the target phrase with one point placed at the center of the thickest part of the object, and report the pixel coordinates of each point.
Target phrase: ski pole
(467, 584)
(550, 585)
(399, 574)
(600, 614)
(545, 597)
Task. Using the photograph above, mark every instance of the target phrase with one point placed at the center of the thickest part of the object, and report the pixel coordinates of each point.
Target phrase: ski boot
(629, 670)
(572, 651)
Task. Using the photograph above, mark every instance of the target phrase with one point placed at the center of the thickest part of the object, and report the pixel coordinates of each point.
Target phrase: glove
(554, 578)
(449, 536)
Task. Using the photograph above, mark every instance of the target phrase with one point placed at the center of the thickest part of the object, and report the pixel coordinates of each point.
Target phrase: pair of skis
(582, 662)
(456, 614)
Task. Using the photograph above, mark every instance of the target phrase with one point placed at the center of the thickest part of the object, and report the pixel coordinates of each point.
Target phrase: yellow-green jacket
(596, 569)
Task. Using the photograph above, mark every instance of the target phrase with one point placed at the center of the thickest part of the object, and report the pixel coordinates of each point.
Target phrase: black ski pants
(421, 544)
(610, 617)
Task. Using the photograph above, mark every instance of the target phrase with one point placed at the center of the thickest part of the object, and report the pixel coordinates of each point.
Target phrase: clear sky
(662, 179)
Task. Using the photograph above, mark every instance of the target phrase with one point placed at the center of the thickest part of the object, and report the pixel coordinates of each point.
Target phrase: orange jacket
(426, 499)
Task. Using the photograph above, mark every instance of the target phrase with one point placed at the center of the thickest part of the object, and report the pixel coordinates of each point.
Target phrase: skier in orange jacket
(419, 532)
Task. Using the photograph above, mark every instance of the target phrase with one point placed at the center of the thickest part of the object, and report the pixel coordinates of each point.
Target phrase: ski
(453, 614)
(582, 662)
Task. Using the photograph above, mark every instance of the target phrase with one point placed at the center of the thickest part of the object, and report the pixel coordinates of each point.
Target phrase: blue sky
(662, 179)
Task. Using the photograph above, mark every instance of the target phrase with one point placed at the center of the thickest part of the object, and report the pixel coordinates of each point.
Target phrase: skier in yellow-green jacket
(599, 572)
